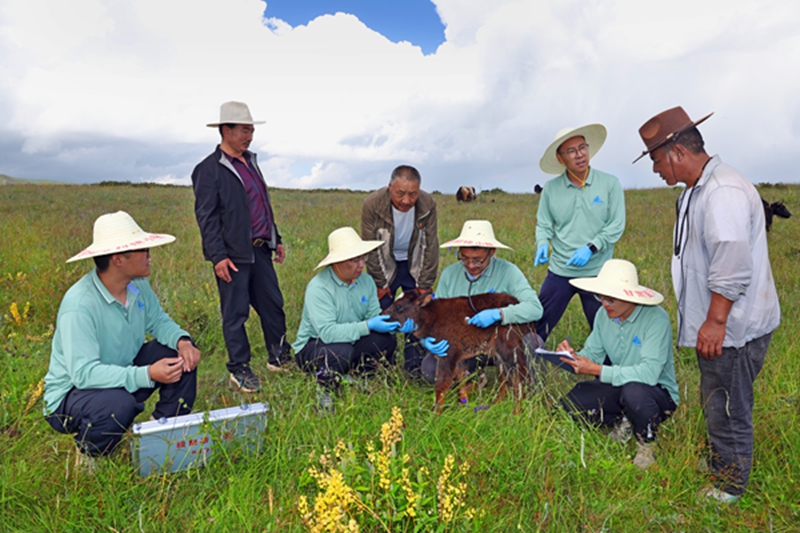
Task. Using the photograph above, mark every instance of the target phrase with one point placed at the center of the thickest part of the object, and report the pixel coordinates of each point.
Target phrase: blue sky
(471, 92)
(415, 21)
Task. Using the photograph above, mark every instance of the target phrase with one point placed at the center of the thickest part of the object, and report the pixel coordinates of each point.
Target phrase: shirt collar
(711, 165)
(589, 179)
(634, 315)
(101, 288)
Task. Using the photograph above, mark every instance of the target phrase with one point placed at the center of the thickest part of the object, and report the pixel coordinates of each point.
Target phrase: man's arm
(206, 210)
(615, 226)
(369, 233)
(430, 262)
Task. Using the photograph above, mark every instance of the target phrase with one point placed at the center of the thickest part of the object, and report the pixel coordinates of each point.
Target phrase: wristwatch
(592, 247)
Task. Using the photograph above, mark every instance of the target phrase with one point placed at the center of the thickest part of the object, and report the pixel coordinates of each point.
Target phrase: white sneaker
(713, 493)
(622, 432)
(645, 455)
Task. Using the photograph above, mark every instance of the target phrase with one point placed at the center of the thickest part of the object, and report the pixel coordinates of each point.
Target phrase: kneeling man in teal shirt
(101, 368)
(630, 352)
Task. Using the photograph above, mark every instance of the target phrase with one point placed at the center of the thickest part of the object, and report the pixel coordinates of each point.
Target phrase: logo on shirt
(140, 304)
(364, 300)
(598, 201)
(637, 341)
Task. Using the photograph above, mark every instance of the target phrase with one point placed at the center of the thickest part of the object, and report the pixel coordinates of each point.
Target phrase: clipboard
(555, 358)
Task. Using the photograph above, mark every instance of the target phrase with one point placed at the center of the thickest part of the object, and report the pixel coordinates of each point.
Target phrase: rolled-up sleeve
(726, 237)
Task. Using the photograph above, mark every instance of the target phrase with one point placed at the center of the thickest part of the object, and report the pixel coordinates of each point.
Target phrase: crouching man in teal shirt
(341, 330)
(101, 369)
(630, 352)
(477, 272)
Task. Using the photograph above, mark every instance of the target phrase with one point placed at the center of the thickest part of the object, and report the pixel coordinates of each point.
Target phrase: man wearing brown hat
(727, 303)
(239, 233)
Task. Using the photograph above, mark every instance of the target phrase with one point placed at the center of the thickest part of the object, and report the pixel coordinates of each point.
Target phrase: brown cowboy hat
(665, 127)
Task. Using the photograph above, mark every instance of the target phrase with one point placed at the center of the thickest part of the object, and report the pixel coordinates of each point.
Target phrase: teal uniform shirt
(640, 348)
(97, 338)
(572, 217)
(334, 311)
(499, 276)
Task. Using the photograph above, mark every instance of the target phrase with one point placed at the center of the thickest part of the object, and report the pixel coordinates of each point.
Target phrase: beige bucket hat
(344, 244)
(116, 233)
(476, 234)
(595, 135)
(618, 279)
(234, 113)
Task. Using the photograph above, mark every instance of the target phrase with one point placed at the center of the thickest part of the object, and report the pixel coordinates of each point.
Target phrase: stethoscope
(472, 279)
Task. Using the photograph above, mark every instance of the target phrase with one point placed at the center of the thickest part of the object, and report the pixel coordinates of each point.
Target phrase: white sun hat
(234, 113)
(344, 244)
(595, 135)
(476, 234)
(618, 279)
(116, 233)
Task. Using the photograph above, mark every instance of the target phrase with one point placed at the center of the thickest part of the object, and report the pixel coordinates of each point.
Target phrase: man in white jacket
(727, 303)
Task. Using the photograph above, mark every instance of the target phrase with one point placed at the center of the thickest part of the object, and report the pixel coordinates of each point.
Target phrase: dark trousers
(100, 417)
(646, 406)
(331, 361)
(413, 353)
(726, 383)
(254, 284)
(555, 294)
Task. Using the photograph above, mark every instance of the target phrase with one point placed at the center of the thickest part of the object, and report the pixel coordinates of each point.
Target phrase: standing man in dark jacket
(404, 218)
(239, 235)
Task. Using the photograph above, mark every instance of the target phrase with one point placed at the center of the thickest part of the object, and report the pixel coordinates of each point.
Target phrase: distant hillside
(8, 180)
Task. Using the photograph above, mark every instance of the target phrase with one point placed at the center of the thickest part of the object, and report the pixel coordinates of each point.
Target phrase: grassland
(535, 471)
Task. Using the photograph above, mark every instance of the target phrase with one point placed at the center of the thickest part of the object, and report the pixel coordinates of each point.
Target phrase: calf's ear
(426, 299)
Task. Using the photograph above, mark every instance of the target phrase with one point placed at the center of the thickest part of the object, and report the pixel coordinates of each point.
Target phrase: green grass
(527, 470)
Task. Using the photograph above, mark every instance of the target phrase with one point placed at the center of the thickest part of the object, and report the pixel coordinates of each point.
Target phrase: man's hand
(280, 254)
(541, 255)
(486, 318)
(382, 324)
(565, 347)
(223, 268)
(712, 332)
(189, 354)
(581, 256)
(709, 339)
(167, 370)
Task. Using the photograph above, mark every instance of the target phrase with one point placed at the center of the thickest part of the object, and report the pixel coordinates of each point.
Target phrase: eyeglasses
(573, 152)
(358, 260)
(473, 261)
(605, 299)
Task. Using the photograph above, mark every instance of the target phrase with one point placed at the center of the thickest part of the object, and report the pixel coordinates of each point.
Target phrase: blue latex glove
(381, 324)
(581, 256)
(437, 348)
(408, 326)
(485, 318)
(541, 256)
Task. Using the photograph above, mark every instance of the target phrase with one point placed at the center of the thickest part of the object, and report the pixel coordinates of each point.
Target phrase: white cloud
(344, 105)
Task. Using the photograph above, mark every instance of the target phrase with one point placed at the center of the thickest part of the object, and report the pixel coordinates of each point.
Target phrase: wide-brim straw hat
(117, 233)
(618, 279)
(344, 244)
(234, 113)
(595, 135)
(665, 127)
(476, 234)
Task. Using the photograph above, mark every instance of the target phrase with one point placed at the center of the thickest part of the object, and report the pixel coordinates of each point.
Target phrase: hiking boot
(622, 432)
(713, 493)
(245, 379)
(645, 455)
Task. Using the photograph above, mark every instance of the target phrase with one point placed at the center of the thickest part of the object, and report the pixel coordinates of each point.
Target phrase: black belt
(258, 243)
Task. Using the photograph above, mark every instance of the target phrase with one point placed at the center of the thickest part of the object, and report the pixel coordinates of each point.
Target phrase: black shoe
(245, 379)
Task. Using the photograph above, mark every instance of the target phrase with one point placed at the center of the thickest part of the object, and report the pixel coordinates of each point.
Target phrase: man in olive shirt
(403, 217)
(582, 213)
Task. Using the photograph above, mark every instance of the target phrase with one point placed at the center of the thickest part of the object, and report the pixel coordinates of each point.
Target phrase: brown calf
(446, 318)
